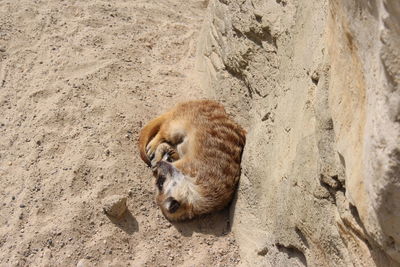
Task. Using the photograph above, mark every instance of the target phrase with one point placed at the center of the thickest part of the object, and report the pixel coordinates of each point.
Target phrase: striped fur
(205, 147)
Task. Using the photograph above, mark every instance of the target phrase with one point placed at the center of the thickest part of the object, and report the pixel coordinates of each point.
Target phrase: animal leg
(164, 152)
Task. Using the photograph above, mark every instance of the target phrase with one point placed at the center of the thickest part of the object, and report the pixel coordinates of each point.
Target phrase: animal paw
(151, 149)
(164, 152)
(161, 153)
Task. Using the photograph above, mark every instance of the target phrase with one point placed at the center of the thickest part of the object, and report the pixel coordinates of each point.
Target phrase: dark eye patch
(160, 182)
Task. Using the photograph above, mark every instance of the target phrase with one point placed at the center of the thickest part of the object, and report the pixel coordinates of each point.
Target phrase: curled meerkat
(195, 151)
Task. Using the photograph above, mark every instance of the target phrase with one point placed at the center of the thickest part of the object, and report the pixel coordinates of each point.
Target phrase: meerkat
(195, 151)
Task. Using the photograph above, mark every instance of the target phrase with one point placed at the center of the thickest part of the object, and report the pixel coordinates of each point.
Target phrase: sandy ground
(78, 80)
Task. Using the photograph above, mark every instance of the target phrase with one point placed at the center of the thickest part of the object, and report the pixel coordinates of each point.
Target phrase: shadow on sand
(216, 224)
(127, 222)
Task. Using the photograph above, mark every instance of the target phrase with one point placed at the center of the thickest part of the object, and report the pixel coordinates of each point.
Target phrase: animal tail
(147, 133)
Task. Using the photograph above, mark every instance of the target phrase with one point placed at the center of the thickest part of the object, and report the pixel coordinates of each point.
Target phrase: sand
(78, 80)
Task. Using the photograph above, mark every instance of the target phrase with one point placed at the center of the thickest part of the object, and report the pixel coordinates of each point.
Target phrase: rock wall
(316, 83)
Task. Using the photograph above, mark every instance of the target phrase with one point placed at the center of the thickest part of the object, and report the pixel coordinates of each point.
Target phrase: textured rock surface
(316, 83)
(114, 205)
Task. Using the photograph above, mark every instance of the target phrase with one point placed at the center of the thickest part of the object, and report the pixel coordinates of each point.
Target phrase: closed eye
(160, 182)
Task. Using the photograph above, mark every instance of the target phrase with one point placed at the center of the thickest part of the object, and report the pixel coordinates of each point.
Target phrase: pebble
(262, 250)
(82, 263)
(22, 206)
(315, 76)
(114, 205)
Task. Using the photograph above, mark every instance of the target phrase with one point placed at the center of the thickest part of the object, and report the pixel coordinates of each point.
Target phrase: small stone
(22, 206)
(114, 205)
(82, 263)
(262, 250)
(266, 116)
(315, 77)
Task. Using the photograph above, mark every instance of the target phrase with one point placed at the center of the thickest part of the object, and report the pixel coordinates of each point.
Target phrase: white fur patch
(183, 189)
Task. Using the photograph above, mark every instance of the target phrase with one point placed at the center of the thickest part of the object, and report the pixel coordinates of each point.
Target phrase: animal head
(176, 193)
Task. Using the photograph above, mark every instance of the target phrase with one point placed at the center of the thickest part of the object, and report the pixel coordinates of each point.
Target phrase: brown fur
(195, 150)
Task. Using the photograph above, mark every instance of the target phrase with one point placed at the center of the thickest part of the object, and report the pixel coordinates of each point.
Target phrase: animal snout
(172, 205)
